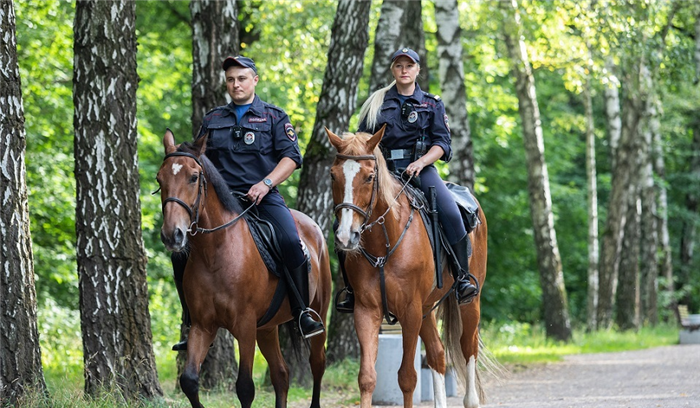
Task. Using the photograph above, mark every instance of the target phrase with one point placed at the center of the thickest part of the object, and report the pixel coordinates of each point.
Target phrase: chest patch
(249, 138)
(412, 117)
(257, 120)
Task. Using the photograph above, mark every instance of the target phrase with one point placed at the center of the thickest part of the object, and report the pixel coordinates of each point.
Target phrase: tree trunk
(386, 42)
(689, 223)
(627, 317)
(665, 263)
(214, 37)
(612, 110)
(116, 326)
(624, 159)
(414, 37)
(649, 229)
(349, 37)
(556, 313)
(592, 201)
(449, 36)
(20, 354)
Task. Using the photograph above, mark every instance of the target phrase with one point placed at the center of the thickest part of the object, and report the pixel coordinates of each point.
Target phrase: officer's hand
(415, 168)
(257, 192)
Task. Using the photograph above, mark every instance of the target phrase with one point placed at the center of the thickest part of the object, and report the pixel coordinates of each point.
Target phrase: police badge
(249, 138)
(412, 117)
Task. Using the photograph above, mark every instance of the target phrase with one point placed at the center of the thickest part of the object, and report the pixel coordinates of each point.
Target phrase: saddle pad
(263, 234)
(466, 203)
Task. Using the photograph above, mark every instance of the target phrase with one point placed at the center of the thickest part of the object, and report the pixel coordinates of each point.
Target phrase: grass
(513, 344)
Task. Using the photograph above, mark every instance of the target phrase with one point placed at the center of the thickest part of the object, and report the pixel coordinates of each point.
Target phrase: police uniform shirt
(426, 118)
(246, 150)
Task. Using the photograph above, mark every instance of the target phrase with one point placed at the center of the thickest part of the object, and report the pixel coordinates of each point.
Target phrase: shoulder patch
(289, 131)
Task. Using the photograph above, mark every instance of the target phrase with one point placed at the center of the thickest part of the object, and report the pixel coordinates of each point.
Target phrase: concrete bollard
(390, 353)
(451, 388)
(426, 384)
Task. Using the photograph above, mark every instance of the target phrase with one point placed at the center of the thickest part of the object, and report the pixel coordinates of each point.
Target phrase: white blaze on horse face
(350, 170)
(176, 168)
(471, 399)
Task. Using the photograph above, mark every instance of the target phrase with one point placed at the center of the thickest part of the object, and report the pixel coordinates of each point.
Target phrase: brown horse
(377, 222)
(226, 282)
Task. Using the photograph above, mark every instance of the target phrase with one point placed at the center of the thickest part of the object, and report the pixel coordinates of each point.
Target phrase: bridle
(194, 228)
(366, 214)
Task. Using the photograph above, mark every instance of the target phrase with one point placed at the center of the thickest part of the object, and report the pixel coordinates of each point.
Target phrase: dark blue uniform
(245, 150)
(420, 116)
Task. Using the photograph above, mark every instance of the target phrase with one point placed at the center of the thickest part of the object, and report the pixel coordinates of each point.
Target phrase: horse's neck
(394, 224)
(213, 213)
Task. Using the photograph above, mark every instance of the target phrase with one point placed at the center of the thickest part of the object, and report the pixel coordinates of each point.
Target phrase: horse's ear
(376, 138)
(169, 142)
(334, 139)
(201, 144)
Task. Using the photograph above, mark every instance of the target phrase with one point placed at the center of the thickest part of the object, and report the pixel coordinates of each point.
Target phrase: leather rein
(378, 261)
(194, 227)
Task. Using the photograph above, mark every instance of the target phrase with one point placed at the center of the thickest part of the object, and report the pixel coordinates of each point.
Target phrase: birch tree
(20, 354)
(449, 36)
(115, 322)
(556, 313)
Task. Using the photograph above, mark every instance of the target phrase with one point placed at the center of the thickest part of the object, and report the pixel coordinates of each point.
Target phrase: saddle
(468, 209)
(265, 238)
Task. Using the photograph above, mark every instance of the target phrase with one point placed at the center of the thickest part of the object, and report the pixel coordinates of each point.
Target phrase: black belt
(397, 154)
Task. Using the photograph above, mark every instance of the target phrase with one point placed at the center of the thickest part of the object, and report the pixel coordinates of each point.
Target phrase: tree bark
(649, 270)
(592, 204)
(449, 36)
(215, 31)
(214, 37)
(556, 313)
(349, 37)
(627, 295)
(20, 354)
(386, 42)
(116, 326)
(612, 110)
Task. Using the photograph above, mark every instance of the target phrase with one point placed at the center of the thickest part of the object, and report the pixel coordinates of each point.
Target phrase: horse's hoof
(181, 346)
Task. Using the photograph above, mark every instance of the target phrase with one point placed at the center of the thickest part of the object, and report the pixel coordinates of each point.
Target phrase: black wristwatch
(268, 183)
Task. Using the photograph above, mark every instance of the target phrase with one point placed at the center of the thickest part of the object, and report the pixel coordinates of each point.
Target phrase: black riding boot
(465, 291)
(346, 305)
(182, 346)
(302, 314)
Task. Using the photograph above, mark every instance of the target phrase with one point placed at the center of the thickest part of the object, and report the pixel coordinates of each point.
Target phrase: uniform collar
(416, 97)
(256, 107)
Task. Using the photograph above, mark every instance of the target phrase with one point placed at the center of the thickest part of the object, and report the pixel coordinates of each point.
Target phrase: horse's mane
(229, 202)
(354, 144)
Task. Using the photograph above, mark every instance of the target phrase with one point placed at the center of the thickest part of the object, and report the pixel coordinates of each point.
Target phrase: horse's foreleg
(268, 341)
(367, 323)
(197, 348)
(470, 349)
(245, 388)
(408, 378)
(317, 360)
(435, 354)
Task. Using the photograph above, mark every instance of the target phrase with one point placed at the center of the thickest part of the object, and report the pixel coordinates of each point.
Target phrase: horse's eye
(332, 177)
(158, 180)
(370, 178)
(194, 178)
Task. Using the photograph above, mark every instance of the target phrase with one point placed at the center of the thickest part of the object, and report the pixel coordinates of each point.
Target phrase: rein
(378, 261)
(194, 227)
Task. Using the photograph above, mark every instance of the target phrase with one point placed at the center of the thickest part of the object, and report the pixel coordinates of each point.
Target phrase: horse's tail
(295, 342)
(452, 332)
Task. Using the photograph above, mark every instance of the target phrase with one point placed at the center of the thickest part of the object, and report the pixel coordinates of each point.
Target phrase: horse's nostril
(178, 236)
(355, 237)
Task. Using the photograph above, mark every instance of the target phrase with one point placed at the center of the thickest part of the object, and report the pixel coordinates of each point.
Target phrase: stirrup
(467, 299)
(346, 305)
(315, 332)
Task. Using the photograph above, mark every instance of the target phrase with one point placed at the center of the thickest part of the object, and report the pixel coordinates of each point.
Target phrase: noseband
(365, 213)
(202, 189)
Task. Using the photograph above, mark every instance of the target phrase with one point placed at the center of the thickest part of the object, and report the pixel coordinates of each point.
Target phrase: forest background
(289, 41)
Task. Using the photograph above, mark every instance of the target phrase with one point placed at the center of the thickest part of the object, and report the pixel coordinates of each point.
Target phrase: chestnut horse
(376, 221)
(226, 282)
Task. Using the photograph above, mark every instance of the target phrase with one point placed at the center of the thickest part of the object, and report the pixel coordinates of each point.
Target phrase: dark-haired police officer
(253, 145)
(417, 134)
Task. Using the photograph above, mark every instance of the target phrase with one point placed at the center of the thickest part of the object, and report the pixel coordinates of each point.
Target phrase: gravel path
(662, 377)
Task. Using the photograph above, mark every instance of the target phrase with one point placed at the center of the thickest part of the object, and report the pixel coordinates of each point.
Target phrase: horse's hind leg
(435, 354)
(317, 360)
(470, 349)
(268, 341)
(197, 348)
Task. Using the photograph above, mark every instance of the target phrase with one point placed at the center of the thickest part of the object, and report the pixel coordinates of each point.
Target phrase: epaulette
(429, 95)
(273, 107)
(215, 109)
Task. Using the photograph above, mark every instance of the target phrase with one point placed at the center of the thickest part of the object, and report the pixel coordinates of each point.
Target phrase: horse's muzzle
(175, 241)
(348, 244)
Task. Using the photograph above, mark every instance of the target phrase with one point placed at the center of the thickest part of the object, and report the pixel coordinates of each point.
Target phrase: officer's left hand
(257, 192)
(415, 168)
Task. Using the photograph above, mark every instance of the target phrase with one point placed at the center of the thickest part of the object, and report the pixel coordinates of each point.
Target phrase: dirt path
(663, 377)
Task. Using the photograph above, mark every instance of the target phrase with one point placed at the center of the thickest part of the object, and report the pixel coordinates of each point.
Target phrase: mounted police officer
(254, 146)
(417, 135)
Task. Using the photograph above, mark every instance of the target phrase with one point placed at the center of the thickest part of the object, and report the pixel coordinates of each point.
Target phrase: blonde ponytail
(370, 109)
